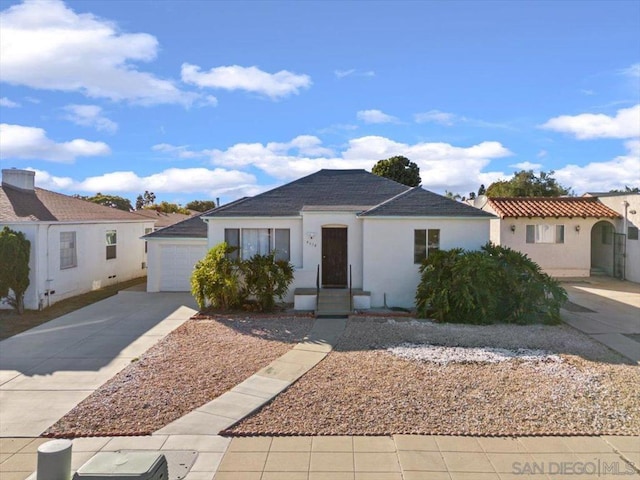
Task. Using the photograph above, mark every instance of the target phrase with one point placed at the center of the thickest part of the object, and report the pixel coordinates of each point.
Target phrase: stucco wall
(632, 264)
(388, 266)
(569, 259)
(93, 270)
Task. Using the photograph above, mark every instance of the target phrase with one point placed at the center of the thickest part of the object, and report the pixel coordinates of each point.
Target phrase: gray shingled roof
(326, 188)
(418, 202)
(18, 205)
(192, 227)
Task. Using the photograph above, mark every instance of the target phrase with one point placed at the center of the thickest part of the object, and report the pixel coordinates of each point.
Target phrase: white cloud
(353, 72)
(90, 116)
(179, 151)
(604, 176)
(375, 116)
(5, 102)
(251, 79)
(436, 116)
(17, 141)
(46, 45)
(527, 166)
(587, 92)
(626, 124)
(633, 71)
(216, 182)
(542, 153)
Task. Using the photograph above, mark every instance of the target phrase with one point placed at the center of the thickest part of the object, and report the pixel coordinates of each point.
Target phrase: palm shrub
(267, 279)
(217, 279)
(493, 284)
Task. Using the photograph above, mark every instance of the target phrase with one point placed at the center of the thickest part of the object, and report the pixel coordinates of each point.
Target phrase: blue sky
(204, 99)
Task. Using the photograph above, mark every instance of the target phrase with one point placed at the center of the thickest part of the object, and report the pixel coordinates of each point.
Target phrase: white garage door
(177, 262)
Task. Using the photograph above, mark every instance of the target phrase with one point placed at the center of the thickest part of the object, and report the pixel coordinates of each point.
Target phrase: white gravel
(446, 355)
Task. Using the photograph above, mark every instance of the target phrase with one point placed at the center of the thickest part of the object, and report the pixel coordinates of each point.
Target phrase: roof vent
(23, 179)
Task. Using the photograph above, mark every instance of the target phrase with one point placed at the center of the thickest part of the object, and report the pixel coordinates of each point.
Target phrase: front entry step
(334, 303)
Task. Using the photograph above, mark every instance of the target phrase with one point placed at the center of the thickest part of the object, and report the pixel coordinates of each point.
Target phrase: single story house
(566, 236)
(76, 246)
(339, 228)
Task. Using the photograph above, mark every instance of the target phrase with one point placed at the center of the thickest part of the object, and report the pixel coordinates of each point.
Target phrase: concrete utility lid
(129, 465)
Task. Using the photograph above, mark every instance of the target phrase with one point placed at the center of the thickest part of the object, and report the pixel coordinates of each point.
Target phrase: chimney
(22, 179)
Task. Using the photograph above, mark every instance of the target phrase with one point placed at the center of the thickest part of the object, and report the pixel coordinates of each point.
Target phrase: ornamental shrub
(216, 279)
(495, 284)
(14, 267)
(266, 279)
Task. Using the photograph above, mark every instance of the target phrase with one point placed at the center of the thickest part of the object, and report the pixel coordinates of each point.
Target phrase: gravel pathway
(363, 389)
(194, 364)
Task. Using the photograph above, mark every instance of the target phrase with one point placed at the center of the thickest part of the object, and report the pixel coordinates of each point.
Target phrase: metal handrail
(350, 289)
(317, 287)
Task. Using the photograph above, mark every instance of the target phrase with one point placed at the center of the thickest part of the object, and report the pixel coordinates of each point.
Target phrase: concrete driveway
(608, 310)
(46, 371)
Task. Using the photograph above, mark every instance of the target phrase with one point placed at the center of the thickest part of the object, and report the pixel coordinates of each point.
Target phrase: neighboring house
(628, 206)
(161, 219)
(76, 246)
(341, 227)
(566, 236)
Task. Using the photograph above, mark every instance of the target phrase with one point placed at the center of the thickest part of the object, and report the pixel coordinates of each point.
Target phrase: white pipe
(54, 460)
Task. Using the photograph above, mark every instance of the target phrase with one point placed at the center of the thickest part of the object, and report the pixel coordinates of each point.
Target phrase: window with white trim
(259, 241)
(545, 233)
(68, 253)
(111, 238)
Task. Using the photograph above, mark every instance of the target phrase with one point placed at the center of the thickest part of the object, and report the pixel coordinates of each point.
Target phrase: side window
(632, 233)
(419, 246)
(68, 252)
(112, 240)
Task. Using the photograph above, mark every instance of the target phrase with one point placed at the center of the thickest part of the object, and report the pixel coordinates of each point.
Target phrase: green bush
(267, 278)
(217, 279)
(496, 284)
(14, 267)
(224, 283)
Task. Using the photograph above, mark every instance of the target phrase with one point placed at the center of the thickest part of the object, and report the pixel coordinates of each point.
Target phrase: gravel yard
(382, 379)
(194, 364)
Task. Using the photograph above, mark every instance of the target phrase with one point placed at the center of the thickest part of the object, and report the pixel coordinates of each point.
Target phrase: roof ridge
(389, 200)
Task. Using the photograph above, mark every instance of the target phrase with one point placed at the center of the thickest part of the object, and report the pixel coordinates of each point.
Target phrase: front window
(111, 239)
(259, 241)
(68, 253)
(545, 233)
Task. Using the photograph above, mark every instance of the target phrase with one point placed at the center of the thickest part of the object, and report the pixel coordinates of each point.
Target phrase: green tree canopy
(201, 205)
(400, 169)
(14, 267)
(144, 200)
(113, 201)
(166, 207)
(525, 183)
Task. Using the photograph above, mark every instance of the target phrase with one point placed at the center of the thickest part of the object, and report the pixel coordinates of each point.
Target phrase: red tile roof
(17, 205)
(551, 207)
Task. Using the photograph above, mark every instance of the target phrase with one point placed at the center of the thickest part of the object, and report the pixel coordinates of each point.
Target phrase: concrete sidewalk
(46, 371)
(610, 311)
(397, 457)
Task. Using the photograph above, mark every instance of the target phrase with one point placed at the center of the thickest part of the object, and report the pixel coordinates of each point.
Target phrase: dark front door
(334, 257)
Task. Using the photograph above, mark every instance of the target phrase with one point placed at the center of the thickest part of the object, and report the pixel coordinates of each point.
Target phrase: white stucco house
(339, 228)
(566, 236)
(76, 246)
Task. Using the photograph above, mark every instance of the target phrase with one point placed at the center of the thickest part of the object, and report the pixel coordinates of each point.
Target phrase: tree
(113, 201)
(201, 205)
(166, 207)
(626, 190)
(525, 183)
(399, 169)
(145, 200)
(482, 190)
(452, 196)
(14, 267)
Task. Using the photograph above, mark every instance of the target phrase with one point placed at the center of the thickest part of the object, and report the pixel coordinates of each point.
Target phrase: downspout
(48, 280)
(625, 231)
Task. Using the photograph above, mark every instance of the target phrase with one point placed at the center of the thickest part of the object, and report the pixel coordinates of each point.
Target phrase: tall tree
(139, 202)
(525, 183)
(113, 201)
(201, 205)
(400, 169)
(166, 207)
(14, 267)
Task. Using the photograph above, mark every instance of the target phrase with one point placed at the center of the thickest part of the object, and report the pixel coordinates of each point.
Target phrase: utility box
(124, 466)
